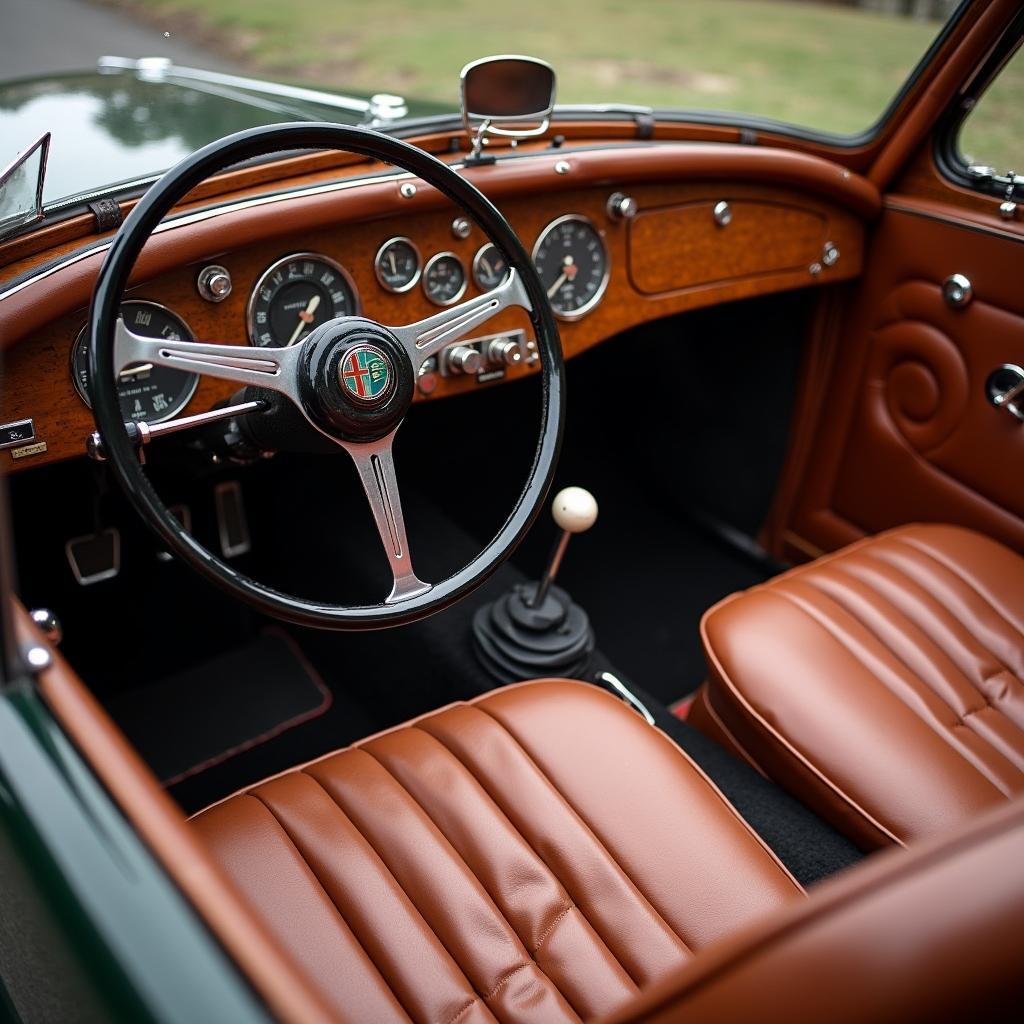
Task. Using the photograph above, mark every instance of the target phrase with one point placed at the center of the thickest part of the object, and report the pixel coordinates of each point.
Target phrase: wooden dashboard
(795, 221)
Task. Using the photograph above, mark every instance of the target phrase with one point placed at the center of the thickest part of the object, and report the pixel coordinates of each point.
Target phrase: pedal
(232, 524)
(184, 516)
(95, 557)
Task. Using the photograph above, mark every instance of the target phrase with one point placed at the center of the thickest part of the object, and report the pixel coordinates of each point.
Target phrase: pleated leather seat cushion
(883, 685)
(539, 854)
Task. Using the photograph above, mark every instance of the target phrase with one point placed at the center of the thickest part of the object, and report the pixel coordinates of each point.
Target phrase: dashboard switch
(464, 359)
(504, 352)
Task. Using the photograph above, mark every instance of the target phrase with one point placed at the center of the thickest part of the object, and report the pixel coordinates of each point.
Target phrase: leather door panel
(906, 432)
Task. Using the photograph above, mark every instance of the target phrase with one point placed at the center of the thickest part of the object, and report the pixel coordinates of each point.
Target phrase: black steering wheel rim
(107, 297)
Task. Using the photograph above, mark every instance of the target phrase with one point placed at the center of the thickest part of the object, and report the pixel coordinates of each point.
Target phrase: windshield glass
(829, 67)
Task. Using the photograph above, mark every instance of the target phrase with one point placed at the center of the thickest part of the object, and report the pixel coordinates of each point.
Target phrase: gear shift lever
(575, 511)
(536, 629)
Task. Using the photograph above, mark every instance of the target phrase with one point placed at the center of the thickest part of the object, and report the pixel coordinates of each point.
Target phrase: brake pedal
(95, 557)
(232, 523)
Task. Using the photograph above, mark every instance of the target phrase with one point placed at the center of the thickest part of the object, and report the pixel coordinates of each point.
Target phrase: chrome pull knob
(621, 207)
(1005, 389)
(464, 359)
(957, 290)
(48, 624)
(504, 352)
(214, 283)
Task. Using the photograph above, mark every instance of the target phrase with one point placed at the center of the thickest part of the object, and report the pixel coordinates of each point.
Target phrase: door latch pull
(1005, 389)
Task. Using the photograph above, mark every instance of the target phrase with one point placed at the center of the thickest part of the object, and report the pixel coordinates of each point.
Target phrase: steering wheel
(311, 375)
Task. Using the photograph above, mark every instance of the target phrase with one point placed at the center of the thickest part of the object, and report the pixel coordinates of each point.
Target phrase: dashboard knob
(214, 284)
(464, 359)
(504, 352)
(621, 206)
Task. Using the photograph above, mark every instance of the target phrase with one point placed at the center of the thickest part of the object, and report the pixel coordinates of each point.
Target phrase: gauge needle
(305, 319)
(568, 274)
(135, 371)
(394, 266)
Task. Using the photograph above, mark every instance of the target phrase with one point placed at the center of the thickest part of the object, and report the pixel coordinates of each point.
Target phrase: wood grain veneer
(774, 223)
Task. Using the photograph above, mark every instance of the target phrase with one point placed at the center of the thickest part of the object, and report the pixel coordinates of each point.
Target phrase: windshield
(828, 67)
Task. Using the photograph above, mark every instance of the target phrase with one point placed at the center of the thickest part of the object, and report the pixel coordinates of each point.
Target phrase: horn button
(356, 380)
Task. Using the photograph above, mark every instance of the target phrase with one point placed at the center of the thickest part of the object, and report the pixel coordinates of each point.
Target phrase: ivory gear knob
(574, 509)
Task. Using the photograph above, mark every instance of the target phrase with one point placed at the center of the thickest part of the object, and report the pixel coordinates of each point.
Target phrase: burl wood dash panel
(671, 258)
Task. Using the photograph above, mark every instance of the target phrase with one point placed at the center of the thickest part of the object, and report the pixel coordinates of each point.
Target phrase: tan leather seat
(540, 854)
(882, 684)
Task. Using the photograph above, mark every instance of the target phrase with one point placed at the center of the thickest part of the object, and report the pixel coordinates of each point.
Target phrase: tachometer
(146, 392)
(297, 294)
(572, 261)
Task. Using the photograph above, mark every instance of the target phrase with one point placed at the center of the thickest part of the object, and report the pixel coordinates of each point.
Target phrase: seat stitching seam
(916, 584)
(975, 688)
(572, 904)
(469, 1006)
(507, 975)
(501, 913)
(654, 913)
(330, 899)
(398, 884)
(967, 582)
(600, 842)
(879, 557)
(944, 736)
(551, 927)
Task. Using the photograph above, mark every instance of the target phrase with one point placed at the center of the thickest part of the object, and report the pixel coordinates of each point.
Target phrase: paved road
(38, 37)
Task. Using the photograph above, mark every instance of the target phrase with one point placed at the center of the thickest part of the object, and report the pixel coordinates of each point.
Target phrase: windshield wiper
(381, 108)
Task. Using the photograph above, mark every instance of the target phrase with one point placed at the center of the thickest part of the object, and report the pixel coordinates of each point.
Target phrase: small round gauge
(397, 265)
(444, 278)
(489, 267)
(296, 295)
(572, 261)
(146, 392)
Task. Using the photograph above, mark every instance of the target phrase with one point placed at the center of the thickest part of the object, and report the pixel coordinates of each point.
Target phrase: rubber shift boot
(514, 641)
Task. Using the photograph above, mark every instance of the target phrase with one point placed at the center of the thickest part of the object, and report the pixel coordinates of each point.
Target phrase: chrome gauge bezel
(250, 308)
(595, 299)
(476, 263)
(188, 395)
(419, 266)
(447, 254)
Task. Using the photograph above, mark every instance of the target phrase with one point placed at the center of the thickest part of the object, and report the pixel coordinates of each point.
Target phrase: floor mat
(194, 720)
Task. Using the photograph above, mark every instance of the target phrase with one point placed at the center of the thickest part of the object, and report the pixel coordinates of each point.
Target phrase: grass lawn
(827, 67)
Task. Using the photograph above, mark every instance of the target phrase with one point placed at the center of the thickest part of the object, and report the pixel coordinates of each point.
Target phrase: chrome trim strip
(954, 222)
(186, 219)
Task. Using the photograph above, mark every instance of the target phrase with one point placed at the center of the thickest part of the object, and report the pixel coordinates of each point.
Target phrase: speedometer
(146, 392)
(572, 261)
(297, 294)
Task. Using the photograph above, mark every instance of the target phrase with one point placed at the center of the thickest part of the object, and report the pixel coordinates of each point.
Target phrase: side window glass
(993, 133)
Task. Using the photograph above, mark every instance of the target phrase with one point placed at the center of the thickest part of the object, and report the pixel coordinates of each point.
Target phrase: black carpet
(195, 719)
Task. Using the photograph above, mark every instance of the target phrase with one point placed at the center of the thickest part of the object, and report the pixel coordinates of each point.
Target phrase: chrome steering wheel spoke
(426, 338)
(274, 368)
(376, 467)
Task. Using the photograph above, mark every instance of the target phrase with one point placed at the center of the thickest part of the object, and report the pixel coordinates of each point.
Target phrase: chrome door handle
(1005, 389)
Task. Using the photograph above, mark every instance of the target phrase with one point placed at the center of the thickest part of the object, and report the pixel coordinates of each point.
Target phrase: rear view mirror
(507, 95)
